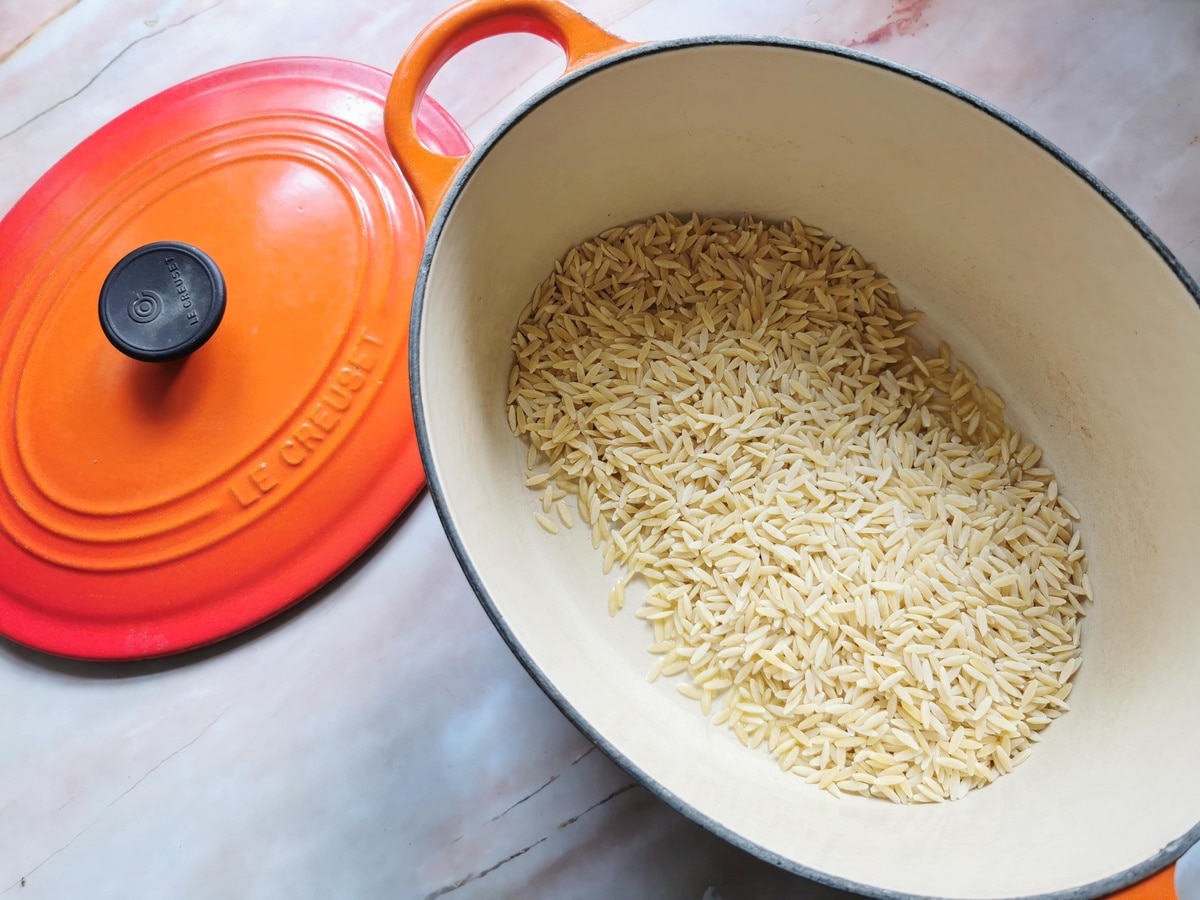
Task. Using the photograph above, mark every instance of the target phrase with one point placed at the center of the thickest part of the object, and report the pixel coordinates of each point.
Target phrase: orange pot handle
(430, 173)
(1160, 886)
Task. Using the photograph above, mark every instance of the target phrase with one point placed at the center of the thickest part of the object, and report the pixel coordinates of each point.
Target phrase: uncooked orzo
(850, 555)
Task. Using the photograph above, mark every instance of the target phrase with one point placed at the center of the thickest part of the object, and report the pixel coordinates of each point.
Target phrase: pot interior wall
(1035, 279)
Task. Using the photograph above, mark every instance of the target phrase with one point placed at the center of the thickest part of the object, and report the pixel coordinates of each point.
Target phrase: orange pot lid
(204, 314)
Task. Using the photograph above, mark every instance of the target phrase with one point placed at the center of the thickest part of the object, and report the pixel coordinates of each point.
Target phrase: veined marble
(380, 740)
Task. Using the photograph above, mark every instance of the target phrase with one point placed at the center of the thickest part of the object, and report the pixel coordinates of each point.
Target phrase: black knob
(162, 301)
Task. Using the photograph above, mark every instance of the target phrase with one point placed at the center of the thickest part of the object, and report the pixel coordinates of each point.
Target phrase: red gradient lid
(204, 314)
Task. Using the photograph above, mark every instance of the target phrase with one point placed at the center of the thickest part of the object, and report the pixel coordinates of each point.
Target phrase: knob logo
(145, 307)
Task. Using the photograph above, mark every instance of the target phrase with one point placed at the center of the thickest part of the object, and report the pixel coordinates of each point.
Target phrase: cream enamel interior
(1034, 278)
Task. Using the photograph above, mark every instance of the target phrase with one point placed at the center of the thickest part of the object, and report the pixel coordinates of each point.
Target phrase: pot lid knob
(162, 301)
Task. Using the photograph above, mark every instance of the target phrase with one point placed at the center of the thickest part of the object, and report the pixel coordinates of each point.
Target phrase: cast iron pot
(1054, 291)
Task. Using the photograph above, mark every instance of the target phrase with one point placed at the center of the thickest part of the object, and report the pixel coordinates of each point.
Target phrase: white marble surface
(379, 740)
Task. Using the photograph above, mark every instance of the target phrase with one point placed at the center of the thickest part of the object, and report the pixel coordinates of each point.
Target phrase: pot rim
(1130, 876)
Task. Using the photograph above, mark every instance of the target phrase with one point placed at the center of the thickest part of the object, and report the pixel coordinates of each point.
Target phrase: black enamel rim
(1130, 876)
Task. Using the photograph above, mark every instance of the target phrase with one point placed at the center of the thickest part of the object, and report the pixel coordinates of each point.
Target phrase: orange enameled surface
(150, 507)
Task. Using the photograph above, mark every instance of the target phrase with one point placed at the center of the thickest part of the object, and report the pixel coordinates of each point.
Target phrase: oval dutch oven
(204, 309)
(1059, 295)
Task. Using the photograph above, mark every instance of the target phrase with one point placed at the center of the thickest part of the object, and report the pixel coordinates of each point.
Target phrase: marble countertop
(379, 740)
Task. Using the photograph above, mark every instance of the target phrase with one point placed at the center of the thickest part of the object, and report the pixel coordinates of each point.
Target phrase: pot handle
(430, 173)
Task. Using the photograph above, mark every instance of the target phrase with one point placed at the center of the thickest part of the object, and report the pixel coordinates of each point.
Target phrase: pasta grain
(852, 559)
